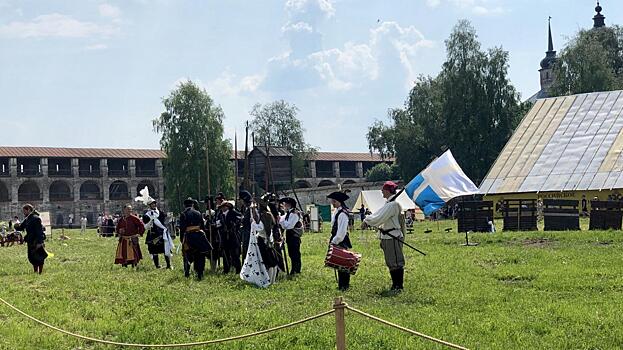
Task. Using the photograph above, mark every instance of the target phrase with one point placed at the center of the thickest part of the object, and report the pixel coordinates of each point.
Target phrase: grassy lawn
(524, 290)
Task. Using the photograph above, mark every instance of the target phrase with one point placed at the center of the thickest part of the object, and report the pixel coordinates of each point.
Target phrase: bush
(383, 172)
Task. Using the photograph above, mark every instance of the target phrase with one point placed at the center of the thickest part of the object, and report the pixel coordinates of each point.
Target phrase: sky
(93, 73)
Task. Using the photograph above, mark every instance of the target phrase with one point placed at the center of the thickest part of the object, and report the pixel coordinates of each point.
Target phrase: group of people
(254, 240)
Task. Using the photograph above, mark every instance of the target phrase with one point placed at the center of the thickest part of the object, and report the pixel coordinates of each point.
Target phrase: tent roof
(374, 200)
(568, 143)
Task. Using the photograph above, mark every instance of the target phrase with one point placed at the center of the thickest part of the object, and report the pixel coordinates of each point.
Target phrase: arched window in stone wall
(28, 191)
(60, 191)
(349, 182)
(4, 193)
(118, 191)
(302, 184)
(152, 189)
(324, 183)
(90, 190)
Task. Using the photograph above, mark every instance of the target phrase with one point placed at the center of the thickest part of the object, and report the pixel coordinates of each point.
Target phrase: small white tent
(374, 200)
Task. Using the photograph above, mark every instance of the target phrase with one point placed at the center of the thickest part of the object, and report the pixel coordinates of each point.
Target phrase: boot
(156, 260)
(400, 274)
(199, 276)
(394, 275)
(168, 261)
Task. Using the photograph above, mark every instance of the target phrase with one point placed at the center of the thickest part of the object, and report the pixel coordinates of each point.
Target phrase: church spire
(598, 20)
(550, 55)
(550, 42)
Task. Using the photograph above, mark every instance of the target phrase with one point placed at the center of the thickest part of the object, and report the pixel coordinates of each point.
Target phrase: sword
(403, 242)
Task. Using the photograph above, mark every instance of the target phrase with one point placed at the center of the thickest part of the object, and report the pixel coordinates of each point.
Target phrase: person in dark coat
(291, 223)
(339, 233)
(245, 227)
(35, 237)
(227, 223)
(195, 244)
(212, 233)
(158, 239)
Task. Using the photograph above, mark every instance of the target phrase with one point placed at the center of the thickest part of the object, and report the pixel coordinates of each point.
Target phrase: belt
(387, 231)
(129, 237)
(191, 229)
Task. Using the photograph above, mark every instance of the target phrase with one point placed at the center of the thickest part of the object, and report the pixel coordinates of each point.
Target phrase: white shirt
(388, 217)
(291, 222)
(342, 226)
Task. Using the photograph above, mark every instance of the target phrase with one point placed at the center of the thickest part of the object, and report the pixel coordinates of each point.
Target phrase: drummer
(339, 233)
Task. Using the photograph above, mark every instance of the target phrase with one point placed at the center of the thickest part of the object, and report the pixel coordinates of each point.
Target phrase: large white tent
(373, 200)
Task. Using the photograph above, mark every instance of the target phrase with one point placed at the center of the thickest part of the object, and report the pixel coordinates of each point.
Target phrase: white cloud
(56, 25)
(476, 7)
(306, 8)
(96, 47)
(108, 10)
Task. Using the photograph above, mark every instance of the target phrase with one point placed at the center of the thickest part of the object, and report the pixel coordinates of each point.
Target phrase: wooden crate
(606, 215)
(520, 215)
(474, 216)
(561, 215)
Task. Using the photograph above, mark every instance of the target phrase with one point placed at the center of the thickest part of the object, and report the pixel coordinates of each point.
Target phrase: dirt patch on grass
(604, 243)
(515, 279)
(538, 242)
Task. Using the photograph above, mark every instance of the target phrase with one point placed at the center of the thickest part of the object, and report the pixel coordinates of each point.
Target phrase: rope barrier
(422, 335)
(206, 342)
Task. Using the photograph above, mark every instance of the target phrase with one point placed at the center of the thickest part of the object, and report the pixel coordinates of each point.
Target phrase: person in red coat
(129, 227)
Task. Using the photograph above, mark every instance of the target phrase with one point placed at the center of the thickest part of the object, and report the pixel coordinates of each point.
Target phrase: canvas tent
(374, 200)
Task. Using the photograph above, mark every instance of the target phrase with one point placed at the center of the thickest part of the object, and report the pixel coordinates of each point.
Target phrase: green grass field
(531, 290)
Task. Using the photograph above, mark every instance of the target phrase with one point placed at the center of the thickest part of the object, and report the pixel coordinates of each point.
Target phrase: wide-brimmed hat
(291, 201)
(338, 196)
(245, 196)
(226, 204)
(268, 197)
(189, 202)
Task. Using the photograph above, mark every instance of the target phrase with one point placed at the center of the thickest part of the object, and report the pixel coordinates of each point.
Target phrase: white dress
(253, 270)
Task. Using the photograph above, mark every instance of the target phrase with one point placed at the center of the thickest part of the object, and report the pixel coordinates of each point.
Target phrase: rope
(422, 335)
(206, 342)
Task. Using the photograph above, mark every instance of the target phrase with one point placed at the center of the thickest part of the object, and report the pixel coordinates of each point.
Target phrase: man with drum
(339, 233)
(387, 220)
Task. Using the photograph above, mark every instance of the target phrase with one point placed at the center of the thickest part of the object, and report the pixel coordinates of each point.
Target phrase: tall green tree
(277, 124)
(470, 107)
(190, 124)
(591, 61)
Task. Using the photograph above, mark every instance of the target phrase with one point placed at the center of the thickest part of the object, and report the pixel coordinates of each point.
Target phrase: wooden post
(340, 326)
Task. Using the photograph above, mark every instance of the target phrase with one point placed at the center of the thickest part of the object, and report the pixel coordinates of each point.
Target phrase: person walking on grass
(83, 224)
(195, 244)
(35, 237)
(129, 227)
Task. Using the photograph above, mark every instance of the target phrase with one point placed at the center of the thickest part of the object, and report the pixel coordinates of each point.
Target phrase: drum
(342, 259)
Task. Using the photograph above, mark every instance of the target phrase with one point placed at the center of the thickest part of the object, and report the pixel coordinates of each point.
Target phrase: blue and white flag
(442, 180)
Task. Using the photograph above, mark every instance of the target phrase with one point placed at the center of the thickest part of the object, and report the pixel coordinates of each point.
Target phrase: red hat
(390, 186)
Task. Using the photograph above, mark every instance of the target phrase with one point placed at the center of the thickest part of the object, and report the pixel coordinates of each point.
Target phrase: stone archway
(302, 184)
(60, 191)
(349, 182)
(118, 191)
(29, 191)
(4, 193)
(90, 190)
(325, 183)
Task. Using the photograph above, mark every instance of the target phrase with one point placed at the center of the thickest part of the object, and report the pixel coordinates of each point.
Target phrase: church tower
(599, 19)
(547, 63)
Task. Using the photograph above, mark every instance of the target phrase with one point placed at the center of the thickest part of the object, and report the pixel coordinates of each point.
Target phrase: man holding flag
(440, 182)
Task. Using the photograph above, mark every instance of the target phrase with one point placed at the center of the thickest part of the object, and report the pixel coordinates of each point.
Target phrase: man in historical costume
(158, 238)
(129, 228)
(245, 227)
(34, 238)
(195, 244)
(387, 220)
(212, 232)
(291, 223)
(228, 223)
(339, 233)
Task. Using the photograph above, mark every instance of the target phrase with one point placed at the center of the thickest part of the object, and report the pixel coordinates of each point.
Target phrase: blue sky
(92, 73)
